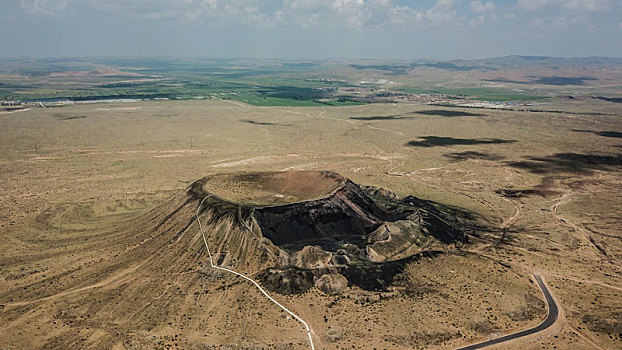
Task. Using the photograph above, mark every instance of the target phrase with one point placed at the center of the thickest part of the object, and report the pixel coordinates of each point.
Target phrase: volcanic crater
(294, 230)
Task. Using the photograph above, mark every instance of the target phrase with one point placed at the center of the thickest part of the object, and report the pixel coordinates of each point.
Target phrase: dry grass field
(86, 263)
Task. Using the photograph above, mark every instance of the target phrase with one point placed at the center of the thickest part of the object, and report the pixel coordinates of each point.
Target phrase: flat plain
(82, 182)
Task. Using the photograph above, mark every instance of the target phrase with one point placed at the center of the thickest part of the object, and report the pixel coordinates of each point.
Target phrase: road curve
(551, 318)
(211, 262)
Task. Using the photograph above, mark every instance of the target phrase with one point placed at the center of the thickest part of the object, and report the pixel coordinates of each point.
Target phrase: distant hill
(496, 63)
(515, 60)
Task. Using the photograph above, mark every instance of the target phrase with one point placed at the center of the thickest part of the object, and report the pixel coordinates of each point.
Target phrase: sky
(310, 29)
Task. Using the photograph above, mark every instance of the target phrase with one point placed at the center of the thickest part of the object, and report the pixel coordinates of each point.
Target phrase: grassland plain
(322, 82)
(74, 177)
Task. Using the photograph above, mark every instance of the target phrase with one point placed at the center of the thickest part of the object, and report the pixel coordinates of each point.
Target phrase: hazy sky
(310, 28)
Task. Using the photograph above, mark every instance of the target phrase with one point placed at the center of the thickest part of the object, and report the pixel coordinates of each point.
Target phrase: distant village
(10, 103)
(374, 95)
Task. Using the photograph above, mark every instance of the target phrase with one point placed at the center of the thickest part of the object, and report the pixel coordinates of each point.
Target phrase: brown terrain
(383, 226)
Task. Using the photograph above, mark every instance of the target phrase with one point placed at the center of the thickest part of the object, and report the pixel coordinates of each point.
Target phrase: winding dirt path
(585, 338)
(598, 283)
(211, 262)
(112, 281)
(518, 212)
(586, 237)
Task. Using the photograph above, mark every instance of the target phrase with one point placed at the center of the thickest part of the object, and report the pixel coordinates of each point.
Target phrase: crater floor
(273, 188)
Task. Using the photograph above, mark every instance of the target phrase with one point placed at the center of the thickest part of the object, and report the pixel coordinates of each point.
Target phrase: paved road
(548, 322)
(211, 262)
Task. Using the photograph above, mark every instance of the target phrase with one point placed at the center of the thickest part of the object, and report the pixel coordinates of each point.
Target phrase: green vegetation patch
(477, 93)
(259, 100)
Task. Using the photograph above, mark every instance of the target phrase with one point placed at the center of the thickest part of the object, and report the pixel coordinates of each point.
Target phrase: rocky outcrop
(331, 283)
(348, 235)
(347, 215)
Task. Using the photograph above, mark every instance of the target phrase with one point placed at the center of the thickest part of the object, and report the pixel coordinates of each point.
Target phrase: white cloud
(366, 13)
(404, 15)
(241, 11)
(338, 14)
(483, 12)
(557, 15)
(532, 5)
(45, 7)
(442, 11)
(569, 5)
(480, 7)
(351, 14)
(588, 5)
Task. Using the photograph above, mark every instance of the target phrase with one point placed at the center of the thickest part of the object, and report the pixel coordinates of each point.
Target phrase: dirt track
(211, 262)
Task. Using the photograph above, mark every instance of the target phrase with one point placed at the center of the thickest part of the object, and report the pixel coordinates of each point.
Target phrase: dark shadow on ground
(561, 81)
(610, 99)
(382, 117)
(570, 163)
(405, 68)
(433, 141)
(64, 117)
(449, 113)
(254, 122)
(601, 133)
(514, 193)
(610, 134)
(551, 80)
(462, 156)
